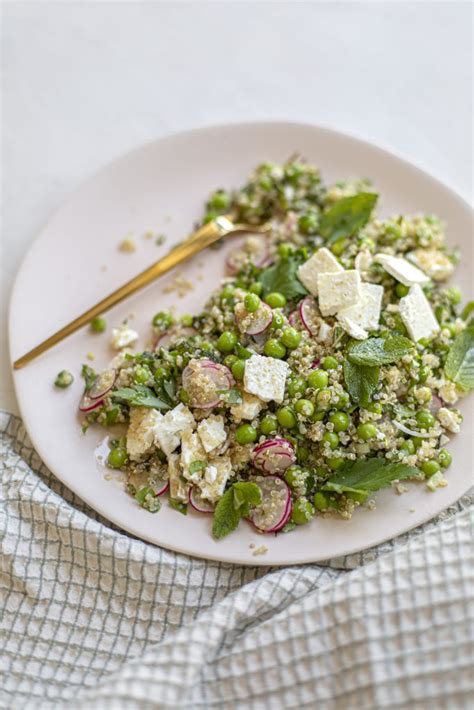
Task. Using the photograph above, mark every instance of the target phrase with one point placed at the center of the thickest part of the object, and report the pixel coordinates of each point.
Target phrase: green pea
(243, 353)
(290, 338)
(230, 359)
(320, 501)
(329, 363)
(335, 463)
(318, 416)
(444, 458)
(159, 373)
(219, 201)
(375, 408)
(98, 324)
(269, 424)
(184, 396)
(340, 420)
(117, 457)
(162, 320)
(284, 250)
(366, 431)
(317, 379)
(278, 321)
(293, 476)
(275, 300)
(63, 379)
(245, 434)
(408, 446)
(323, 398)
(302, 511)
(454, 295)
(423, 373)
(227, 292)
(308, 223)
(252, 302)
(343, 400)
(297, 385)
(286, 418)
(425, 419)
(401, 290)
(238, 369)
(302, 453)
(339, 246)
(141, 375)
(304, 407)
(187, 320)
(332, 439)
(256, 287)
(226, 341)
(273, 348)
(429, 468)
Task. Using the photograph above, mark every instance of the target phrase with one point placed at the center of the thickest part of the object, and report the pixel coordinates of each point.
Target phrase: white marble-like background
(84, 82)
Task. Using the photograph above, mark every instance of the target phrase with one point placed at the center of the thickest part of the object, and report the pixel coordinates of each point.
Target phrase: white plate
(162, 186)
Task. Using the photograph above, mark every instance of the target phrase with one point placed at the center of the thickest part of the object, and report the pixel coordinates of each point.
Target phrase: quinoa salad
(327, 365)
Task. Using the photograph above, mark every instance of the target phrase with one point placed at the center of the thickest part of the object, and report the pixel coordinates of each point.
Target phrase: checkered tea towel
(92, 618)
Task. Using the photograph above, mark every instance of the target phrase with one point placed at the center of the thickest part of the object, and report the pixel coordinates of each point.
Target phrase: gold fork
(198, 240)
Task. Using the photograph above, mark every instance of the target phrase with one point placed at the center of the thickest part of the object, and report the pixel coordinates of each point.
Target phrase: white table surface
(85, 82)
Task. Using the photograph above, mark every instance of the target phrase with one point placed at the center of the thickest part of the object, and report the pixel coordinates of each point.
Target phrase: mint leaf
(140, 396)
(282, 277)
(459, 365)
(369, 475)
(361, 382)
(379, 351)
(234, 504)
(346, 216)
(179, 506)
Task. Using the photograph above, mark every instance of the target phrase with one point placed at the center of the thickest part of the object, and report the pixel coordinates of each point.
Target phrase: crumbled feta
(322, 261)
(248, 409)
(212, 432)
(363, 261)
(266, 377)
(122, 337)
(365, 314)
(437, 480)
(417, 314)
(402, 270)
(449, 393)
(141, 431)
(119, 360)
(433, 262)
(324, 334)
(178, 488)
(173, 423)
(338, 291)
(191, 450)
(215, 477)
(449, 420)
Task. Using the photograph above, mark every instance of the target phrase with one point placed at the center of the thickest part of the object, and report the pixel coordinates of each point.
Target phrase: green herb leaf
(169, 386)
(89, 376)
(288, 527)
(234, 504)
(346, 216)
(196, 466)
(369, 475)
(379, 351)
(282, 278)
(459, 365)
(179, 506)
(140, 396)
(361, 382)
(231, 396)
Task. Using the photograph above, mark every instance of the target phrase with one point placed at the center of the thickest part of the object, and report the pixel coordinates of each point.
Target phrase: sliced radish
(309, 314)
(273, 456)
(315, 363)
(257, 322)
(102, 384)
(294, 319)
(275, 509)
(173, 335)
(88, 405)
(198, 502)
(204, 380)
(162, 487)
(436, 403)
(255, 248)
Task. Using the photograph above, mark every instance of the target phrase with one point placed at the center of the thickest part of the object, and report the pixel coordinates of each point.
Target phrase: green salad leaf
(459, 365)
(361, 381)
(346, 216)
(234, 505)
(379, 351)
(140, 396)
(369, 475)
(178, 505)
(282, 277)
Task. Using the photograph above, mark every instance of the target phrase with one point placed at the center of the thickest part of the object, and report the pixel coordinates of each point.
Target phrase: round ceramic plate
(160, 188)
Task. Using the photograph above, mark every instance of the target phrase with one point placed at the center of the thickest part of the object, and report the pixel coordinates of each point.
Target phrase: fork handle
(198, 240)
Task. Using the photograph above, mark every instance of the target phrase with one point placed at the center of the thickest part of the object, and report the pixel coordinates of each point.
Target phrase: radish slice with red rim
(204, 381)
(102, 384)
(174, 335)
(255, 248)
(275, 509)
(273, 456)
(294, 319)
(257, 322)
(198, 502)
(309, 314)
(87, 404)
(161, 487)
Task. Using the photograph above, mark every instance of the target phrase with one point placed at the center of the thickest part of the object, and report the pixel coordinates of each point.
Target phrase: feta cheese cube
(171, 425)
(449, 419)
(123, 337)
(417, 314)
(191, 451)
(212, 432)
(265, 377)
(338, 291)
(365, 314)
(141, 431)
(402, 270)
(322, 261)
(216, 475)
(179, 489)
(325, 332)
(363, 261)
(248, 409)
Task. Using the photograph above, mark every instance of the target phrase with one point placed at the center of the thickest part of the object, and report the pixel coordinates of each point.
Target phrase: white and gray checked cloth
(93, 618)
